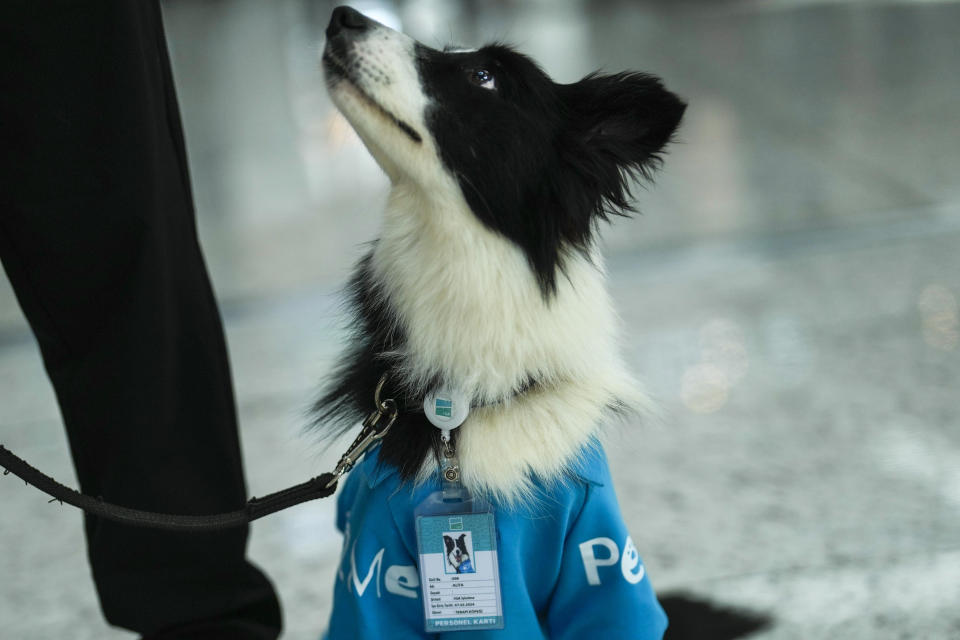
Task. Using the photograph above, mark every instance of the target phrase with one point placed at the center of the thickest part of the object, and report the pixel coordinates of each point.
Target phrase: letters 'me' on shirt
(568, 567)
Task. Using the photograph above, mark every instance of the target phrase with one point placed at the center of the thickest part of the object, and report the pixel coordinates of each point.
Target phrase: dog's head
(535, 161)
(457, 552)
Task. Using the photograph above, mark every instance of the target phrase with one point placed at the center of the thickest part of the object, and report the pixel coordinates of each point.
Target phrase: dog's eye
(482, 78)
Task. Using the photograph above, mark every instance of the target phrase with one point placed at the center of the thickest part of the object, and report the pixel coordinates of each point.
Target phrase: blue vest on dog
(568, 568)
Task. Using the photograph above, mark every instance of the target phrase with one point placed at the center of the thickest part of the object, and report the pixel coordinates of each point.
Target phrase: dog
(486, 278)
(457, 555)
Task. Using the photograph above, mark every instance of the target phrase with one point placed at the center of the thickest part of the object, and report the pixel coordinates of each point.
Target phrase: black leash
(322, 486)
(319, 487)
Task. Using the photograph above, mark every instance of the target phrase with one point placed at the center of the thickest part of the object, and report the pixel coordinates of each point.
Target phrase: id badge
(459, 570)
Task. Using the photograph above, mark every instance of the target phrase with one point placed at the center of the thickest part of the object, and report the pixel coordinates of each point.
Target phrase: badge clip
(447, 409)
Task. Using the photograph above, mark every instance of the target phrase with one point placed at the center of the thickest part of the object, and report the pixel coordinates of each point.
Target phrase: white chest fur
(472, 312)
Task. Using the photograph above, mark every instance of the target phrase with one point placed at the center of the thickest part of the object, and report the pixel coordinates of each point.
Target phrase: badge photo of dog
(486, 278)
(458, 553)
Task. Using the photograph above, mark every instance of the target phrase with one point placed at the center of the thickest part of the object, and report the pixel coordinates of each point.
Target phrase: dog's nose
(347, 19)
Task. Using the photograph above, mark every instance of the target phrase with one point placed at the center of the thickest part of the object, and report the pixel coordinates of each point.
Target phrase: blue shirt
(568, 567)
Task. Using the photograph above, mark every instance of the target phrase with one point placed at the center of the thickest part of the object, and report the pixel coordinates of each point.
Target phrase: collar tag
(446, 409)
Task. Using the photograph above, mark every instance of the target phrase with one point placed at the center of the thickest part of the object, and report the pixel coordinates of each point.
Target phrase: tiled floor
(790, 295)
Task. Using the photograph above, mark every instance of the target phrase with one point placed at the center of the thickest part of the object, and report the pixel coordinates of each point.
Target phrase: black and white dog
(458, 556)
(486, 280)
(486, 277)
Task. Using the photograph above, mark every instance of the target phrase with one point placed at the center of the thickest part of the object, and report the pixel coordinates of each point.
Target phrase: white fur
(471, 307)
(383, 61)
(472, 311)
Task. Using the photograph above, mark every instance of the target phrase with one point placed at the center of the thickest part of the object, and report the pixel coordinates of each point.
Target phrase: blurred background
(789, 296)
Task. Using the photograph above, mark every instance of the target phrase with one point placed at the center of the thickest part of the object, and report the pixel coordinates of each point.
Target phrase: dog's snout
(345, 19)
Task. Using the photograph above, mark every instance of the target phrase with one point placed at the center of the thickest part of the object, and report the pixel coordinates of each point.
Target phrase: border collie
(486, 276)
(486, 282)
(458, 556)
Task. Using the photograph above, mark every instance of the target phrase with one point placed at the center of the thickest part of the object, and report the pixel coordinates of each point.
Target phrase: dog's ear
(448, 543)
(617, 125)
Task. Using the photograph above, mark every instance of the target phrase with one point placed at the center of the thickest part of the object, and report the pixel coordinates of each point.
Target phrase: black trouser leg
(97, 237)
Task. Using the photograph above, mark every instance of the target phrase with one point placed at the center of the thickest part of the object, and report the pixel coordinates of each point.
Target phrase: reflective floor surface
(790, 296)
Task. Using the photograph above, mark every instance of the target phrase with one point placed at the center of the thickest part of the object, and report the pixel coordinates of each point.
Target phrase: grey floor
(790, 293)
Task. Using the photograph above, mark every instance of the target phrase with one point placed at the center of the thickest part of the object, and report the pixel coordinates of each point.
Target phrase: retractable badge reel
(456, 537)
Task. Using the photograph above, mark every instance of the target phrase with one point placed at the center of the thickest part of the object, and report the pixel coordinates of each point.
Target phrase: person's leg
(98, 239)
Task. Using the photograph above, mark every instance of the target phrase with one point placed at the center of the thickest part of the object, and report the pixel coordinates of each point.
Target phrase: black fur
(693, 618)
(539, 163)
(348, 396)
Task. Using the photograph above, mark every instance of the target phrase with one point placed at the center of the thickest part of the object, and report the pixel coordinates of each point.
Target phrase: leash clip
(374, 428)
